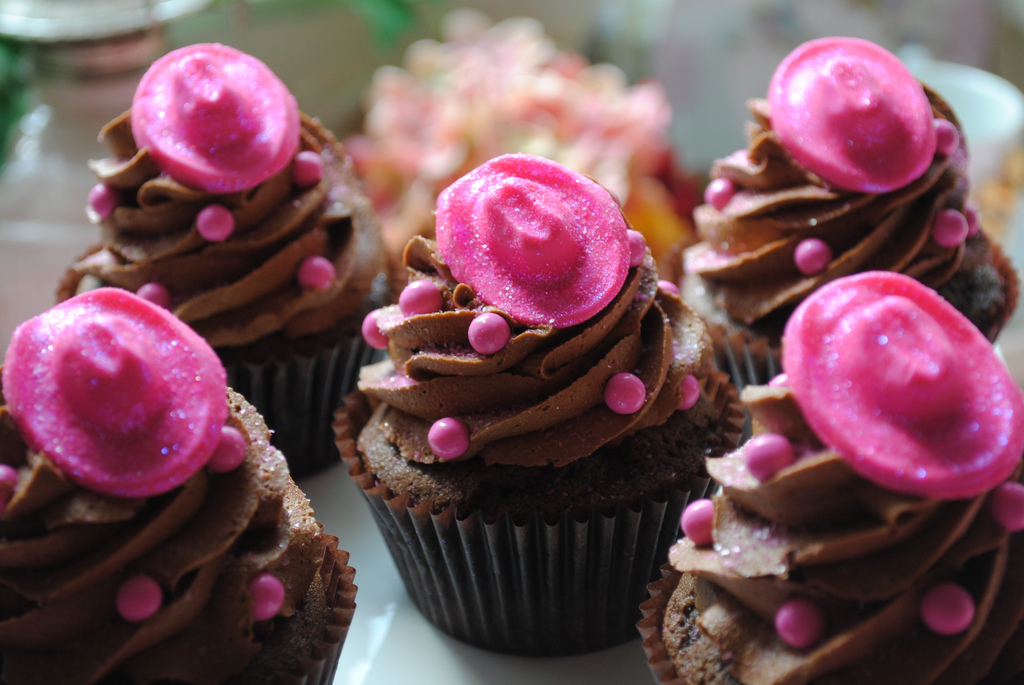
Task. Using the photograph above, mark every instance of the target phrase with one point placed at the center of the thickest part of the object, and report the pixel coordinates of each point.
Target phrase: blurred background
(69, 66)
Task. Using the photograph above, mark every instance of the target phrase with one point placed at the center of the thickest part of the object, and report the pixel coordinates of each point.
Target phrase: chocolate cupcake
(247, 221)
(151, 533)
(545, 414)
(852, 166)
(870, 530)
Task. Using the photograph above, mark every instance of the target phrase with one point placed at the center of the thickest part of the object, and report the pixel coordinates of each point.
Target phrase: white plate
(390, 641)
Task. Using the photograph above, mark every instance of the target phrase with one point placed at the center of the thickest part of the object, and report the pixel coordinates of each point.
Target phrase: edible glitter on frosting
(123, 397)
(520, 229)
(852, 113)
(932, 411)
(215, 118)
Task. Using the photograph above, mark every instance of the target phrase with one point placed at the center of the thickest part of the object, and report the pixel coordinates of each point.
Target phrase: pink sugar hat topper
(849, 111)
(543, 243)
(215, 118)
(904, 387)
(124, 398)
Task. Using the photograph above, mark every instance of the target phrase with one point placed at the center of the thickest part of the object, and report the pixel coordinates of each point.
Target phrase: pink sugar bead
(138, 598)
(489, 333)
(157, 293)
(668, 287)
(973, 216)
(812, 256)
(103, 199)
(624, 393)
(779, 381)
(420, 297)
(315, 273)
(800, 623)
(230, 451)
(637, 248)
(719, 192)
(307, 169)
(690, 392)
(371, 332)
(698, 521)
(947, 138)
(767, 454)
(215, 223)
(1006, 504)
(947, 609)
(950, 228)
(267, 593)
(448, 438)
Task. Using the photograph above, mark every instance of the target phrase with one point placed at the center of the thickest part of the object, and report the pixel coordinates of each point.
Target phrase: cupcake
(870, 530)
(150, 532)
(225, 204)
(487, 89)
(852, 166)
(544, 415)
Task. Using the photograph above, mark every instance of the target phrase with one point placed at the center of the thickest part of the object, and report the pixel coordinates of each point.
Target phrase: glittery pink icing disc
(215, 118)
(904, 387)
(852, 113)
(545, 244)
(122, 396)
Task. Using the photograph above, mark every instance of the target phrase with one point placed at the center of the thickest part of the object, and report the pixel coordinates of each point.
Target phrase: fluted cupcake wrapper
(536, 587)
(298, 395)
(651, 626)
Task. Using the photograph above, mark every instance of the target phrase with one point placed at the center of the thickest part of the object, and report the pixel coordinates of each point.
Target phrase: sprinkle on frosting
(230, 451)
(215, 223)
(316, 272)
(766, 454)
(689, 392)
(215, 118)
(719, 192)
(697, 522)
(1006, 504)
(307, 169)
(420, 297)
(812, 255)
(800, 623)
(904, 387)
(625, 393)
(123, 397)
(138, 598)
(950, 228)
(947, 609)
(372, 333)
(852, 113)
(157, 293)
(267, 593)
(489, 333)
(520, 228)
(103, 199)
(448, 437)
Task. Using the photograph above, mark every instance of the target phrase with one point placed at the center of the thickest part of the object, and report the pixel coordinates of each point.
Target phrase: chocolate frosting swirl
(864, 554)
(540, 400)
(64, 552)
(747, 251)
(242, 289)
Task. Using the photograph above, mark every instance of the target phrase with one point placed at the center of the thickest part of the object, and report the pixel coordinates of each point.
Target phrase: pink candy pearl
(420, 297)
(267, 596)
(103, 199)
(947, 138)
(156, 293)
(779, 381)
(138, 598)
(950, 228)
(230, 451)
(767, 454)
(315, 273)
(947, 609)
(215, 223)
(307, 169)
(690, 390)
(698, 521)
(812, 256)
(719, 192)
(637, 248)
(371, 332)
(800, 623)
(668, 287)
(1006, 504)
(489, 333)
(448, 438)
(624, 393)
